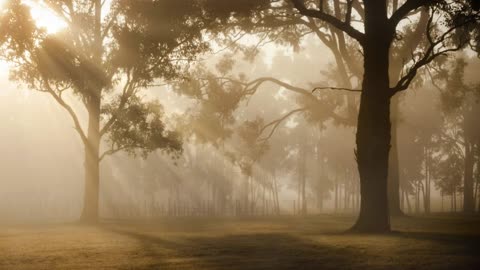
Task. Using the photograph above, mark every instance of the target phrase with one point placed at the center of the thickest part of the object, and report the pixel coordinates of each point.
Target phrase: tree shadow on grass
(247, 251)
(468, 243)
(311, 250)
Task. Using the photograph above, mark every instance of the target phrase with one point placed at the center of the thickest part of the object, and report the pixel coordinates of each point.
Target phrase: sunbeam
(45, 17)
(248, 134)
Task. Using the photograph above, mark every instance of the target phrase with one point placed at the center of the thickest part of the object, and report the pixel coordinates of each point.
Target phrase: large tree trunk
(92, 164)
(374, 127)
(92, 146)
(373, 143)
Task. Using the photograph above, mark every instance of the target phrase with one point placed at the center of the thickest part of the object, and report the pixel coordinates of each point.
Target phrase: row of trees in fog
(102, 64)
(320, 175)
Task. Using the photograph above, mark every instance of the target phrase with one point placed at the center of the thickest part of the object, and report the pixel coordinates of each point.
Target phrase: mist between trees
(215, 108)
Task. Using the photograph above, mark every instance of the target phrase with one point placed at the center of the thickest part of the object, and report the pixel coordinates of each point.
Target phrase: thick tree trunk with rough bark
(373, 143)
(374, 127)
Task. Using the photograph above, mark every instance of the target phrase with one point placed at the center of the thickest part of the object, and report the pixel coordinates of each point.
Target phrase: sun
(45, 17)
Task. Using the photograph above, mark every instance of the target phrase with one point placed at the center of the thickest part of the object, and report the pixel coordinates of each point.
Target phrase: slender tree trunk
(319, 175)
(374, 127)
(320, 201)
(246, 201)
(426, 195)
(345, 187)
(451, 203)
(402, 200)
(336, 190)
(442, 196)
(264, 198)
(357, 200)
(477, 186)
(475, 195)
(454, 201)
(422, 189)
(396, 70)
(468, 200)
(393, 173)
(277, 202)
(478, 207)
(303, 178)
(407, 199)
(417, 197)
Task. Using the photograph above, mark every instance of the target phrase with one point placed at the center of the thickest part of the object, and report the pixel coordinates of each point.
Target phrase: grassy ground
(317, 242)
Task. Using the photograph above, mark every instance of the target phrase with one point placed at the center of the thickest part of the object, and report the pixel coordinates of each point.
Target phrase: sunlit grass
(256, 243)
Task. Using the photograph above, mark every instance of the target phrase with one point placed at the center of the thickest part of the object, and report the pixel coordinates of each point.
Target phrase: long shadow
(289, 251)
(244, 251)
(469, 244)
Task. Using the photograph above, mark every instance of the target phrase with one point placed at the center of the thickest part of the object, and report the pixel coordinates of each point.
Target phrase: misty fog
(200, 134)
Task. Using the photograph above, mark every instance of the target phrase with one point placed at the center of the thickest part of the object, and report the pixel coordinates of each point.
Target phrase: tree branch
(276, 123)
(253, 86)
(332, 20)
(127, 92)
(336, 88)
(69, 109)
(110, 152)
(405, 9)
(432, 52)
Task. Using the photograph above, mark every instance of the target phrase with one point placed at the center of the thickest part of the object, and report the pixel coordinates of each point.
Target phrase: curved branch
(110, 152)
(332, 20)
(276, 123)
(253, 86)
(128, 91)
(405, 9)
(432, 52)
(69, 109)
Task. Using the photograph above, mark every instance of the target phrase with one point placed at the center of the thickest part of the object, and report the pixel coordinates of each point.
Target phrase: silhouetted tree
(374, 127)
(331, 22)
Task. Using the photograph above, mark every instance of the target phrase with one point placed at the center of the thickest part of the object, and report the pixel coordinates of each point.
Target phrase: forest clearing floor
(314, 242)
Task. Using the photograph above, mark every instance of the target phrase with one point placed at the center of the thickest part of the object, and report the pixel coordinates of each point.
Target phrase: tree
(451, 26)
(448, 172)
(461, 107)
(104, 61)
(374, 126)
(271, 24)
